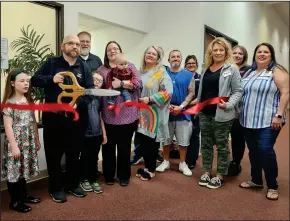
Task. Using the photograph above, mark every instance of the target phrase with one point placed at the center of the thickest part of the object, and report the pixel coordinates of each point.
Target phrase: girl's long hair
(10, 90)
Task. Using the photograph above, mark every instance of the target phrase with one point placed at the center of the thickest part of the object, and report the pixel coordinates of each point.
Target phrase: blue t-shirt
(181, 81)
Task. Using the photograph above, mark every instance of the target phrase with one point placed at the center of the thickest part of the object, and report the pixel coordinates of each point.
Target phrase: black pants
(62, 136)
(17, 190)
(193, 148)
(120, 136)
(149, 148)
(238, 141)
(89, 158)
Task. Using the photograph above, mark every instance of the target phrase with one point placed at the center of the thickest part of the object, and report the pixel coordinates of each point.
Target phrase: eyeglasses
(113, 49)
(98, 80)
(71, 43)
(191, 63)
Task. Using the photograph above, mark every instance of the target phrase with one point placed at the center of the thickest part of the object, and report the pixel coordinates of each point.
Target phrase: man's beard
(85, 51)
(72, 54)
(175, 65)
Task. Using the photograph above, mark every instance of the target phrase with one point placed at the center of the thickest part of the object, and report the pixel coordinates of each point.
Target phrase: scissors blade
(102, 92)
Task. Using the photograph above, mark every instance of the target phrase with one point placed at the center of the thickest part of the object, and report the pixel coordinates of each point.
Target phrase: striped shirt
(260, 100)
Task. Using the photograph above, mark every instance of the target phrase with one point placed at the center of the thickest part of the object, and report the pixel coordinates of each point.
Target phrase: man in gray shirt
(92, 61)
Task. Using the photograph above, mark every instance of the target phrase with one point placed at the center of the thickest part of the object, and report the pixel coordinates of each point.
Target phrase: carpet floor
(169, 196)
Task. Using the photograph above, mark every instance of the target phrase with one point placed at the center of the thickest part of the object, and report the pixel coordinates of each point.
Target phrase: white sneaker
(184, 169)
(165, 165)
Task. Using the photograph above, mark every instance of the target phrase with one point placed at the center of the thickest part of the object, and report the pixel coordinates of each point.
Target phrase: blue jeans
(124, 93)
(262, 155)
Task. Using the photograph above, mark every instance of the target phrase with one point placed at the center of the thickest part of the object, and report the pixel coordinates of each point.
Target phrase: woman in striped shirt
(264, 101)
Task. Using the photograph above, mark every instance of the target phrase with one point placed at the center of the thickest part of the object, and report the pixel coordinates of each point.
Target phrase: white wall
(130, 14)
(128, 40)
(181, 25)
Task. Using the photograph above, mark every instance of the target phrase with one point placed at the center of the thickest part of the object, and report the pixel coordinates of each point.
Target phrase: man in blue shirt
(180, 125)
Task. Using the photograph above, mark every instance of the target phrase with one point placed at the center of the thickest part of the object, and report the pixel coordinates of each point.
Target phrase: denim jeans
(262, 155)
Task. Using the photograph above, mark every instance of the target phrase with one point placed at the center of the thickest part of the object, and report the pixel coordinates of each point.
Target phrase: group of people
(254, 112)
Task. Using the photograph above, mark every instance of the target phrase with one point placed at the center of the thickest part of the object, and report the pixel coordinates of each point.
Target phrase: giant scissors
(74, 91)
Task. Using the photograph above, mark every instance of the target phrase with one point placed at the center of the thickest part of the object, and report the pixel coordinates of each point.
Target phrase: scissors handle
(77, 90)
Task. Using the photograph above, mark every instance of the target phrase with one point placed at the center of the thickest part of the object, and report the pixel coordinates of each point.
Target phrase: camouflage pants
(213, 132)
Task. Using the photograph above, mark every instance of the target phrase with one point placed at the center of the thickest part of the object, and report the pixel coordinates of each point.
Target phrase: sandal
(147, 176)
(140, 172)
(271, 193)
(250, 185)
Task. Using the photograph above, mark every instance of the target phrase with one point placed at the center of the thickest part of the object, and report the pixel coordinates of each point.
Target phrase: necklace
(172, 76)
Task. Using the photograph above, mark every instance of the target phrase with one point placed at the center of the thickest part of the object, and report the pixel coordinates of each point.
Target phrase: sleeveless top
(260, 100)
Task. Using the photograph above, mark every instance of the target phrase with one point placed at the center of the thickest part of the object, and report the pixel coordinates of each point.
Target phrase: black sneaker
(159, 158)
(77, 192)
(234, 169)
(136, 160)
(58, 196)
(215, 183)
(124, 182)
(204, 179)
(19, 207)
(191, 166)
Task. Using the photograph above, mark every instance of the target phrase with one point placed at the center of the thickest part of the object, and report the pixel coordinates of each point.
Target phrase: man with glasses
(93, 61)
(61, 134)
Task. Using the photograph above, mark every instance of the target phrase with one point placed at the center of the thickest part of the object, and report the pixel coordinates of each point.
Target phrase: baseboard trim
(43, 174)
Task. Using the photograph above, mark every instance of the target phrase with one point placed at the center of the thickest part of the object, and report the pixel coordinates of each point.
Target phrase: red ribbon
(48, 107)
(197, 108)
(193, 110)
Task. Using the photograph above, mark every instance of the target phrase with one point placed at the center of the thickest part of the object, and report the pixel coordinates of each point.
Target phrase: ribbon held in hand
(198, 107)
(48, 107)
(193, 110)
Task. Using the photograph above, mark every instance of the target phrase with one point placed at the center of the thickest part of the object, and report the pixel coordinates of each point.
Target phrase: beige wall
(15, 15)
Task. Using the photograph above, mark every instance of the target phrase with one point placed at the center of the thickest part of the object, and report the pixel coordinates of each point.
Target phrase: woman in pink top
(121, 126)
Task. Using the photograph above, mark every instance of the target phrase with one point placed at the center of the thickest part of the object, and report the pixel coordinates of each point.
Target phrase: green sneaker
(96, 187)
(86, 186)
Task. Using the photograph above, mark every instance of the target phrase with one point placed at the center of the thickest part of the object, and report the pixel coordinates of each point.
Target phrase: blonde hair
(159, 57)
(228, 56)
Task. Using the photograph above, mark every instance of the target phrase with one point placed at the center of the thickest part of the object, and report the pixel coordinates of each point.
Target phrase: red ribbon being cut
(48, 107)
(193, 110)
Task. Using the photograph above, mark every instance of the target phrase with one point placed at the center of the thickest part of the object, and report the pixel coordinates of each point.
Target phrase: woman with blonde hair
(221, 78)
(156, 92)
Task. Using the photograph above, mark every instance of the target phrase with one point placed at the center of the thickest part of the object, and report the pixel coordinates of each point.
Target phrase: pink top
(127, 115)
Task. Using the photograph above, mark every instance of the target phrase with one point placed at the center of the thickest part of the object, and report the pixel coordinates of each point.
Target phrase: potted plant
(30, 55)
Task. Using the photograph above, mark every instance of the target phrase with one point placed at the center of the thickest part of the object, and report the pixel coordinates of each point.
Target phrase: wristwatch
(183, 108)
(122, 83)
(278, 115)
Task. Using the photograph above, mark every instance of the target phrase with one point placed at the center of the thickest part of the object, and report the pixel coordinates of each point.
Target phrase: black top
(93, 62)
(210, 89)
(43, 78)
(244, 69)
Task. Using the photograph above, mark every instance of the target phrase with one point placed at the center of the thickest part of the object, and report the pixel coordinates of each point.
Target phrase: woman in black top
(240, 55)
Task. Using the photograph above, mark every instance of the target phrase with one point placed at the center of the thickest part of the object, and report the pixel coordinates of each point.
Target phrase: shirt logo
(79, 75)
